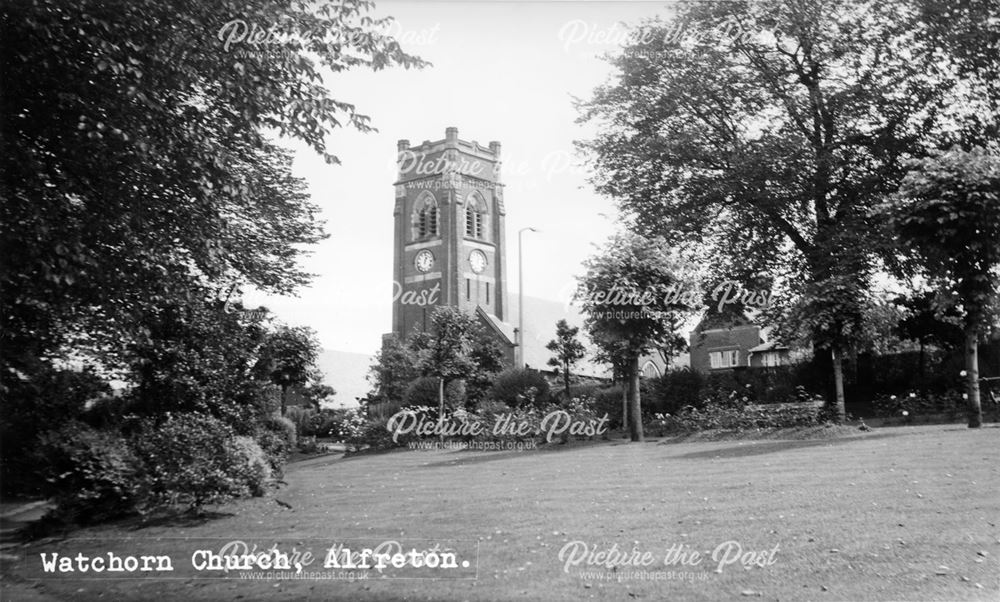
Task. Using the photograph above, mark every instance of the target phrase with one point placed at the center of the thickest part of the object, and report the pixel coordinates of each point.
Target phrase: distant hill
(345, 372)
(540, 317)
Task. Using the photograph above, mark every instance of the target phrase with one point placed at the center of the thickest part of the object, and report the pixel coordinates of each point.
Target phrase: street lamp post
(519, 352)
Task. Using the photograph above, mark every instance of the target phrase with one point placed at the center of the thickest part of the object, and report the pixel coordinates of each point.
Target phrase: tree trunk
(284, 397)
(635, 407)
(975, 407)
(566, 382)
(626, 384)
(838, 383)
(441, 409)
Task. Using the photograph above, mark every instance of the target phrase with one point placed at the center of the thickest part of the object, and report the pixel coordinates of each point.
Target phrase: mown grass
(905, 513)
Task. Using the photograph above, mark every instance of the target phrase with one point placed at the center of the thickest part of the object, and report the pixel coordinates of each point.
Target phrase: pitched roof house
(724, 341)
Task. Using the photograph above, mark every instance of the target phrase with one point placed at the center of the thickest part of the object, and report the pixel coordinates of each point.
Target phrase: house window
(487, 292)
(425, 217)
(772, 358)
(724, 359)
(468, 289)
(475, 216)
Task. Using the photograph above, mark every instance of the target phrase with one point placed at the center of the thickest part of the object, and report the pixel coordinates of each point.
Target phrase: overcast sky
(503, 71)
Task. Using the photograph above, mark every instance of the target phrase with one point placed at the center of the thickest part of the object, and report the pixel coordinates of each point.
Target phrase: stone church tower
(449, 243)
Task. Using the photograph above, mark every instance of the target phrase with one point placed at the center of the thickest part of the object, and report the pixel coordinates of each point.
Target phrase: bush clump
(950, 404)
(424, 391)
(283, 427)
(519, 388)
(677, 389)
(609, 401)
(733, 413)
(93, 474)
(194, 459)
(257, 465)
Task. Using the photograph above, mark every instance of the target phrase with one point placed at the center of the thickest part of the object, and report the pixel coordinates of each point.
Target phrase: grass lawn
(903, 513)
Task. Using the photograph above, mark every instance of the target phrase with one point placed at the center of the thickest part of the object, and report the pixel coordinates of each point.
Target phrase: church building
(449, 241)
(449, 249)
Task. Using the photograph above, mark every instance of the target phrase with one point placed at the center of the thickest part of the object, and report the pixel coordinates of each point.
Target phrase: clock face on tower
(424, 261)
(477, 259)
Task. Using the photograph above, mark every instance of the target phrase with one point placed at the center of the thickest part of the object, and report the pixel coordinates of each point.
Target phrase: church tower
(449, 237)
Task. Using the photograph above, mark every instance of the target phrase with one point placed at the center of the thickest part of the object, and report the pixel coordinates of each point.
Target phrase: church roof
(501, 327)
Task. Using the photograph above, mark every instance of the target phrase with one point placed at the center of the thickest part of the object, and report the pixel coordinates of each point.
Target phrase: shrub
(282, 426)
(275, 448)
(579, 391)
(373, 435)
(256, 464)
(492, 408)
(609, 401)
(738, 417)
(950, 403)
(308, 445)
(530, 415)
(725, 398)
(321, 422)
(310, 422)
(93, 474)
(580, 410)
(424, 392)
(192, 459)
(523, 387)
(348, 424)
(34, 404)
(676, 389)
(300, 417)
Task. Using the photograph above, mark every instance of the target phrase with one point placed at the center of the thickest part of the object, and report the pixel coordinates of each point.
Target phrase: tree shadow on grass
(965, 429)
(467, 457)
(55, 526)
(759, 448)
(180, 520)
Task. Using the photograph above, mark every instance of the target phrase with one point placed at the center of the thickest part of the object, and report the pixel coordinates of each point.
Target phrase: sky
(505, 71)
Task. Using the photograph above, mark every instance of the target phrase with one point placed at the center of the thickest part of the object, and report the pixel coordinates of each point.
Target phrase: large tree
(287, 358)
(139, 168)
(625, 296)
(768, 139)
(947, 218)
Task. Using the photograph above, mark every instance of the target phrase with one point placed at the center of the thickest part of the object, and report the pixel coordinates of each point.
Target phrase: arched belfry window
(475, 216)
(425, 217)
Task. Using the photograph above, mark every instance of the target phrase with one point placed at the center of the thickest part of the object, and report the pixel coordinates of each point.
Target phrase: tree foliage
(445, 350)
(392, 371)
(288, 358)
(929, 321)
(476, 360)
(768, 148)
(624, 296)
(567, 350)
(947, 218)
(138, 163)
